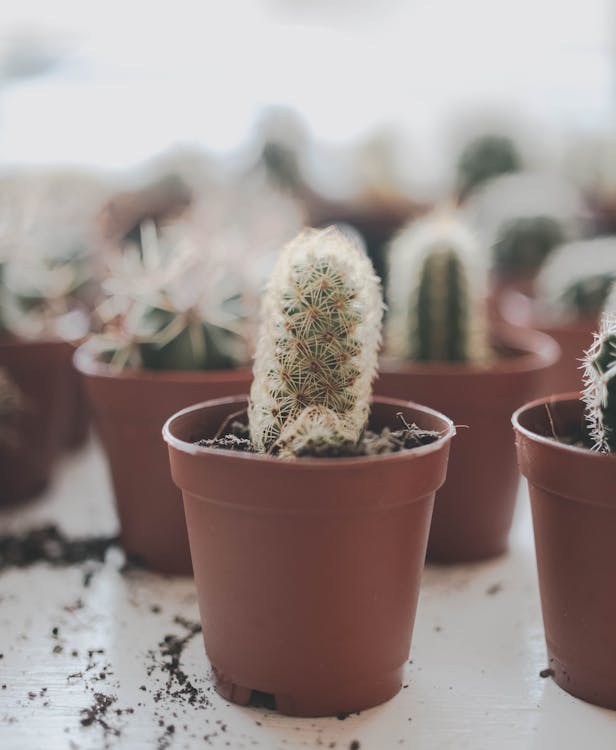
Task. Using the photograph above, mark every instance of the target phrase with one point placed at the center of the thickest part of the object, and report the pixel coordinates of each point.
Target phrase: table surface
(472, 680)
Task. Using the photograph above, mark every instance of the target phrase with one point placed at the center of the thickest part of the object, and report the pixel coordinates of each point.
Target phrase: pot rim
(88, 364)
(321, 463)
(535, 350)
(550, 442)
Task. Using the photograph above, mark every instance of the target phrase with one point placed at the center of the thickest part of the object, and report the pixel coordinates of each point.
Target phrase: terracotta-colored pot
(474, 509)
(130, 408)
(77, 417)
(574, 517)
(26, 459)
(574, 337)
(307, 570)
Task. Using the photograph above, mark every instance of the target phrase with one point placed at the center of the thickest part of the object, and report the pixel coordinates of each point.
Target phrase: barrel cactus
(483, 158)
(600, 391)
(437, 291)
(574, 282)
(170, 306)
(317, 349)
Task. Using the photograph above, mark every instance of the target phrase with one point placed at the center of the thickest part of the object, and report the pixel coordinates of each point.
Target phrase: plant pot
(502, 285)
(307, 570)
(573, 337)
(474, 508)
(574, 518)
(129, 409)
(77, 417)
(26, 460)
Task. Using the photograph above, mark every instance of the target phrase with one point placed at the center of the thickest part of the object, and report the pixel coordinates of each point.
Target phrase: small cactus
(600, 391)
(169, 306)
(522, 244)
(575, 280)
(437, 293)
(483, 158)
(317, 350)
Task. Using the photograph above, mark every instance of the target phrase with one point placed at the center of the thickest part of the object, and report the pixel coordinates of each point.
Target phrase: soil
(370, 443)
(48, 544)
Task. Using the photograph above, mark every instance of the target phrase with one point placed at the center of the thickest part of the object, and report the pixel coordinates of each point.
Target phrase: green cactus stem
(318, 344)
(437, 293)
(483, 158)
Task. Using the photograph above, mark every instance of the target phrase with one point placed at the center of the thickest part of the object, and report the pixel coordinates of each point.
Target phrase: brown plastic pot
(574, 337)
(574, 517)
(474, 508)
(307, 570)
(130, 408)
(26, 461)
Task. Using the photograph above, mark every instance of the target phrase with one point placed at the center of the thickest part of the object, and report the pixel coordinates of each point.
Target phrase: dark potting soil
(370, 444)
(48, 544)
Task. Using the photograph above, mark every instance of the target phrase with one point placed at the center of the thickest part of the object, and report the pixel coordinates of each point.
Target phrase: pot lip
(88, 364)
(536, 350)
(572, 450)
(320, 463)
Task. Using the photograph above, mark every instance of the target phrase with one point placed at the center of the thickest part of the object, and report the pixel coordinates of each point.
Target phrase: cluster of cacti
(170, 305)
(317, 349)
(575, 280)
(600, 391)
(436, 292)
(483, 158)
(523, 217)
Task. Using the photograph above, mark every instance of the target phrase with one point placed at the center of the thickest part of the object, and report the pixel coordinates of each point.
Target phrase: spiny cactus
(170, 306)
(437, 293)
(318, 344)
(483, 158)
(600, 391)
(575, 280)
(523, 217)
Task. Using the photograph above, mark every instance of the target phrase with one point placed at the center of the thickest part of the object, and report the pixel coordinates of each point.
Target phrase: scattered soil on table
(546, 673)
(495, 588)
(48, 544)
(370, 443)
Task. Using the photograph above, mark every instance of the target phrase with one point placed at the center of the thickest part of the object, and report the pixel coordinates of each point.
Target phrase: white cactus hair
(444, 229)
(599, 373)
(319, 340)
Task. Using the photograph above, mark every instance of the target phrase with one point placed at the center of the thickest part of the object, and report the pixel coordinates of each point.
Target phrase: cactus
(437, 293)
(574, 282)
(483, 158)
(523, 217)
(318, 344)
(170, 307)
(600, 386)
(522, 244)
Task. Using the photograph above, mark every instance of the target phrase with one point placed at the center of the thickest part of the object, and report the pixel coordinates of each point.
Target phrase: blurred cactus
(600, 387)
(11, 404)
(437, 293)
(523, 217)
(483, 158)
(318, 344)
(575, 280)
(170, 306)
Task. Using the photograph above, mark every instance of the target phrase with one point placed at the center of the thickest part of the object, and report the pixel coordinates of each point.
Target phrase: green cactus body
(437, 298)
(576, 279)
(318, 343)
(600, 391)
(486, 157)
(524, 243)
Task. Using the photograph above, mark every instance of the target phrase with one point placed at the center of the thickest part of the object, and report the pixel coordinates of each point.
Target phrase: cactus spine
(437, 293)
(317, 351)
(600, 391)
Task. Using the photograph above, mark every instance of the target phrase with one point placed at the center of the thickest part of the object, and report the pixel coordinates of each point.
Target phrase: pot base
(591, 687)
(330, 700)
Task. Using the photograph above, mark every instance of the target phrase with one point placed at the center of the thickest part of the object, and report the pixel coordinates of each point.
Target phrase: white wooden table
(472, 682)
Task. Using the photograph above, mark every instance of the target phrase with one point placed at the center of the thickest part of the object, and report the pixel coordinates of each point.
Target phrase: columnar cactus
(600, 381)
(437, 293)
(575, 280)
(317, 350)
